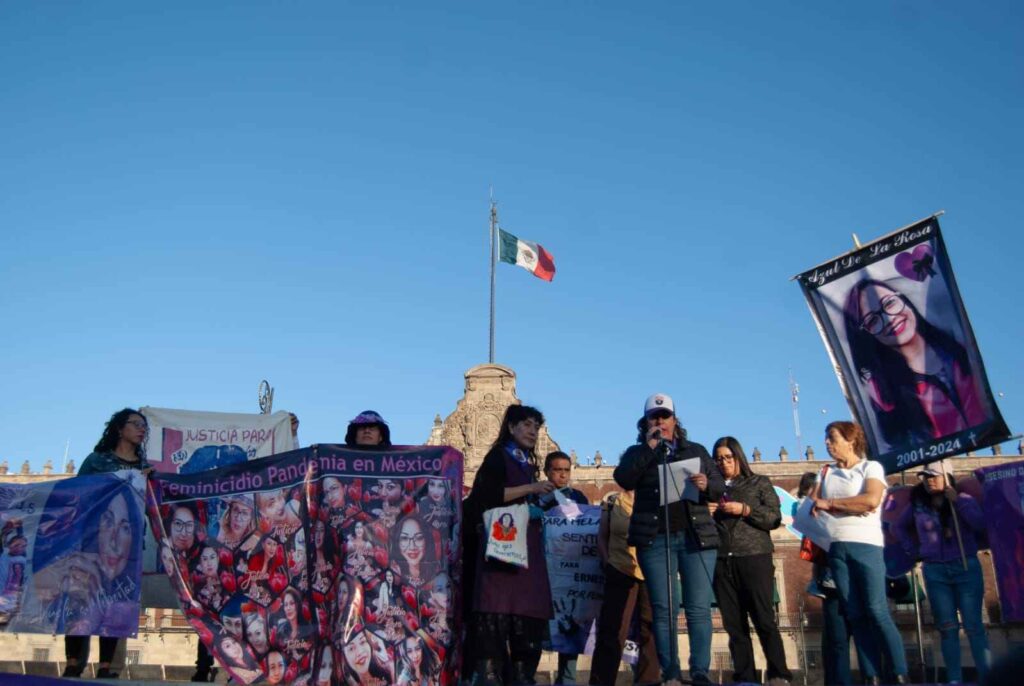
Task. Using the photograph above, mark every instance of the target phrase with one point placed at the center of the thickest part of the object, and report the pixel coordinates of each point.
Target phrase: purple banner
(1003, 488)
(902, 346)
(322, 565)
(71, 555)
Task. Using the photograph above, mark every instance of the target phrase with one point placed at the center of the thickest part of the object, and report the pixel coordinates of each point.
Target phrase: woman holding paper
(511, 605)
(686, 544)
(849, 498)
(744, 576)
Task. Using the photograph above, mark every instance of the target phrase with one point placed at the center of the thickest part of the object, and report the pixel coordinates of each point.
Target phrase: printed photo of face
(239, 519)
(256, 633)
(209, 562)
(441, 591)
(323, 675)
(115, 538)
(291, 608)
(232, 649)
(183, 529)
(275, 668)
(412, 541)
(334, 493)
(272, 505)
(319, 534)
(437, 489)
(232, 625)
(359, 653)
(390, 490)
(414, 652)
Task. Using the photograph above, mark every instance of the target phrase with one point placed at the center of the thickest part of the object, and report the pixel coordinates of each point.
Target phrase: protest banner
(902, 347)
(575, 573)
(321, 565)
(72, 555)
(191, 441)
(1003, 487)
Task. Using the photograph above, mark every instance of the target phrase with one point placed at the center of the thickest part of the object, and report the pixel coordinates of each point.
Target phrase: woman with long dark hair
(414, 550)
(511, 605)
(418, 662)
(748, 511)
(953, 585)
(917, 375)
(690, 535)
(849, 498)
(122, 446)
(366, 660)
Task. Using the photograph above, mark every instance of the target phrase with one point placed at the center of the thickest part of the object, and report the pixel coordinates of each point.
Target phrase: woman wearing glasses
(413, 551)
(511, 605)
(122, 446)
(685, 545)
(747, 513)
(917, 375)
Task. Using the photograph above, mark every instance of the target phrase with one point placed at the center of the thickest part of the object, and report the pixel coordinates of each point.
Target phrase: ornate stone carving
(476, 421)
(26, 468)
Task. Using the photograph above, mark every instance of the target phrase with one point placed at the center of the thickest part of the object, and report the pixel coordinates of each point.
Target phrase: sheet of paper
(678, 485)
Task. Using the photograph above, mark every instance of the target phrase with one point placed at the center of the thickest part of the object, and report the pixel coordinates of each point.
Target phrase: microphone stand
(664, 449)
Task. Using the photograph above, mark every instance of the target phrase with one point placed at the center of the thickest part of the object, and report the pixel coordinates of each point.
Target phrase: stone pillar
(809, 453)
(597, 459)
(997, 449)
(783, 454)
(756, 454)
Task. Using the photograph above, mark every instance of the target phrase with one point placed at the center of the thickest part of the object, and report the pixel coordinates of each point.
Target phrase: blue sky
(197, 196)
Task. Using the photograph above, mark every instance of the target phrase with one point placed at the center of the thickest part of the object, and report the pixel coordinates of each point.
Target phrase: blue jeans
(859, 572)
(951, 588)
(697, 569)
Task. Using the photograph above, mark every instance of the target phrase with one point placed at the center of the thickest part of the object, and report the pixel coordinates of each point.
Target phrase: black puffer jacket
(638, 470)
(742, 536)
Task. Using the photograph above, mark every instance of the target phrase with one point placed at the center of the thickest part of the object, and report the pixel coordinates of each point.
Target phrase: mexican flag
(530, 256)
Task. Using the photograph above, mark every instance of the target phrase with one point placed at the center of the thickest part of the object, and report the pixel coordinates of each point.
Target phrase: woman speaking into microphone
(685, 545)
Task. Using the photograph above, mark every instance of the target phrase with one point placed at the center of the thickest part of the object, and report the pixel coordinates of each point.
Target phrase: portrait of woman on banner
(915, 373)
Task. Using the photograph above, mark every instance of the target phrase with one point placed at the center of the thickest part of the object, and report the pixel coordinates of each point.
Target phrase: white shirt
(843, 483)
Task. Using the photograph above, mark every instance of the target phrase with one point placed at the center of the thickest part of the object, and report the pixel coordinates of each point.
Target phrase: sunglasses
(659, 414)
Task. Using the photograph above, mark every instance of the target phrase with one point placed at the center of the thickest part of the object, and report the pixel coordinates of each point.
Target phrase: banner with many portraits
(71, 555)
(901, 344)
(325, 565)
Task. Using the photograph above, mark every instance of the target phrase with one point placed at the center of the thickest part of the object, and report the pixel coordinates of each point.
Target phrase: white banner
(189, 442)
(575, 573)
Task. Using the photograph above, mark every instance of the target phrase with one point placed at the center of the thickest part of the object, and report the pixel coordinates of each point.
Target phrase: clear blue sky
(195, 196)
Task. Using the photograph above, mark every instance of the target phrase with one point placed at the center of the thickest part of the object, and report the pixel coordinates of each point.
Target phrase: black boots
(488, 673)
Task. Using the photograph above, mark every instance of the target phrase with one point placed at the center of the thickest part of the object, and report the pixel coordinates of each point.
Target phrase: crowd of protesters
(709, 544)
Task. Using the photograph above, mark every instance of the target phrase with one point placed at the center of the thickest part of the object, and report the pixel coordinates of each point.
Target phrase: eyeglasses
(180, 527)
(723, 458)
(873, 323)
(136, 423)
(659, 414)
(409, 541)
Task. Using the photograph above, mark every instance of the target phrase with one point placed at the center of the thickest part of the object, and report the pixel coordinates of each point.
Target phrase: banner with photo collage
(901, 344)
(71, 555)
(324, 565)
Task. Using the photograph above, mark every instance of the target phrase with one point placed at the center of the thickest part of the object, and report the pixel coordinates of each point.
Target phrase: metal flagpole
(494, 246)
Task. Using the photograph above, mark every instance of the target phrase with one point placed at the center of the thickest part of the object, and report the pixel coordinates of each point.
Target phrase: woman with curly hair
(122, 446)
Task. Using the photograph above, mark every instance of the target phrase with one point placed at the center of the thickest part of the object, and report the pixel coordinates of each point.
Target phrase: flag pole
(494, 245)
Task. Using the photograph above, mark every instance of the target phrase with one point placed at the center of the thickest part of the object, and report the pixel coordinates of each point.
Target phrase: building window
(131, 656)
(40, 654)
(721, 660)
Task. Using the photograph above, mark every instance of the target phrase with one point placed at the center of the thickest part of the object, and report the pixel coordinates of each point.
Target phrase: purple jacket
(920, 525)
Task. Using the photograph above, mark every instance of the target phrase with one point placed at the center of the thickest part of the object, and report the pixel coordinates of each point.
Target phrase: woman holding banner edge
(120, 447)
(690, 535)
(850, 497)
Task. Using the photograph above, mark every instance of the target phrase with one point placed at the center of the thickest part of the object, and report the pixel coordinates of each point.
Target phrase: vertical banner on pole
(903, 348)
